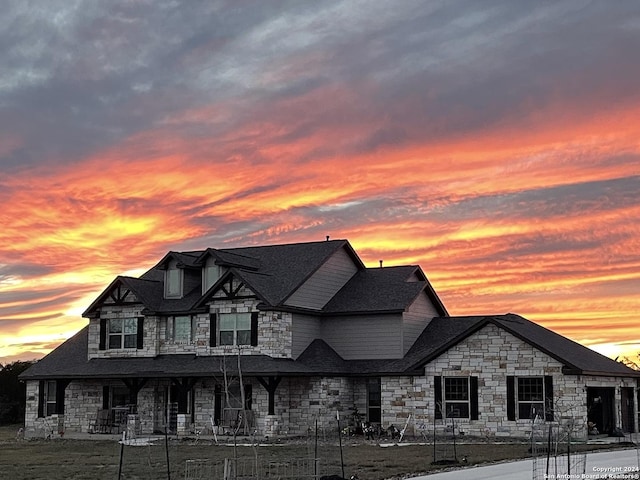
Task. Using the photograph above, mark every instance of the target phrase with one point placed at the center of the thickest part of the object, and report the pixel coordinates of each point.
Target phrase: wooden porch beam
(270, 385)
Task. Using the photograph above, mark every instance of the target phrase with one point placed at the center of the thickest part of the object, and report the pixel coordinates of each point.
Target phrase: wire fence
(552, 453)
(252, 469)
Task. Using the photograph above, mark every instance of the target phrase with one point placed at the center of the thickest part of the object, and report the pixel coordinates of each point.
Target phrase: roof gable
(126, 291)
(228, 258)
(443, 333)
(276, 271)
(388, 289)
(232, 284)
(182, 259)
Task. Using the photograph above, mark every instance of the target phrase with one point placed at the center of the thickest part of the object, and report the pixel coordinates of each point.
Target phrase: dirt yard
(99, 458)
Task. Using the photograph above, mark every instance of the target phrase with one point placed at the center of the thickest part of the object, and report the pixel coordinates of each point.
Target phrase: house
(273, 338)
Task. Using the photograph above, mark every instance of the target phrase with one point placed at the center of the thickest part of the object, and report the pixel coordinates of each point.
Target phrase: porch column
(134, 385)
(183, 386)
(270, 385)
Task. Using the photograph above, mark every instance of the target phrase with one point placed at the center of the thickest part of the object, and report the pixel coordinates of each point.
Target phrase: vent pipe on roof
(327, 238)
(380, 263)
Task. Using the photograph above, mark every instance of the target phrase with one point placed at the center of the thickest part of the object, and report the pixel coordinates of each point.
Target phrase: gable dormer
(180, 274)
(173, 280)
(211, 273)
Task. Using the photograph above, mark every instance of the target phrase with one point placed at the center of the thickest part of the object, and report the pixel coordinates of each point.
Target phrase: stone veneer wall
(31, 405)
(150, 342)
(166, 346)
(320, 398)
(492, 354)
(274, 330)
(404, 396)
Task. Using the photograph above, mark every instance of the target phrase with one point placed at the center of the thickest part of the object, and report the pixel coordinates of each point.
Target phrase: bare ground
(99, 458)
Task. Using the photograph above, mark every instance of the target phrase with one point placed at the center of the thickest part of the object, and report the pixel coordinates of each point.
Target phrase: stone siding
(492, 354)
(150, 341)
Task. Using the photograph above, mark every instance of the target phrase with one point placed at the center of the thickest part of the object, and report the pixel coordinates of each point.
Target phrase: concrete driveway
(622, 464)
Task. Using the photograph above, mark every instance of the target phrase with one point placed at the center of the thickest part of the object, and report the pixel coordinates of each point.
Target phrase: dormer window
(173, 283)
(210, 274)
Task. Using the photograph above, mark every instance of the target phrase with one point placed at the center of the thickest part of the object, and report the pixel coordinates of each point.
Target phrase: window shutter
(511, 398)
(548, 398)
(103, 334)
(212, 329)
(60, 387)
(41, 399)
(140, 333)
(248, 396)
(105, 397)
(217, 405)
(254, 328)
(437, 387)
(473, 397)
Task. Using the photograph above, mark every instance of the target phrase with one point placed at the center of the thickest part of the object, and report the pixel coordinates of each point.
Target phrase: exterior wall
(492, 354)
(415, 319)
(31, 405)
(325, 282)
(274, 328)
(364, 337)
(404, 396)
(318, 398)
(304, 330)
(274, 331)
(166, 345)
(150, 341)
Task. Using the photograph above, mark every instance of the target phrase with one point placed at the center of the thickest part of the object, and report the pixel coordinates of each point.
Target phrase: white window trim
(168, 293)
(50, 401)
(171, 330)
(235, 330)
(446, 401)
(518, 402)
(210, 265)
(121, 334)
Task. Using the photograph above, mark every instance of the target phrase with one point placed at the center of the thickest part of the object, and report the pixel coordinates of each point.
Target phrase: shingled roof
(70, 359)
(382, 290)
(283, 268)
(444, 332)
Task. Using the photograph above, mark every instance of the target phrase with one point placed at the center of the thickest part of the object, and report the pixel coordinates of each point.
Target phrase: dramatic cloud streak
(494, 144)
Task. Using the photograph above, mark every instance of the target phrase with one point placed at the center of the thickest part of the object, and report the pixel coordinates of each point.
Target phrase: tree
(12, 392)
(629, 362)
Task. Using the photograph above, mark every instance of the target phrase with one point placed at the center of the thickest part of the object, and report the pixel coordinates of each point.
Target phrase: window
(235, 329)
(119, 396)
(210, 275)
(456, 397)
(530, 396)
(50, 397)
(180, 329)
(233, 396)
(123, 332)
(374, 400)
(173, 283)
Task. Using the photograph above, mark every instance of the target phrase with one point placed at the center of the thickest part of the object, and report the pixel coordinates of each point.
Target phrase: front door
(600, 408)
(627, 408)
(160, 395)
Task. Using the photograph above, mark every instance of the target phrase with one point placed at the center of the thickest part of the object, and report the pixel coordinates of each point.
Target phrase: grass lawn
(98, 459)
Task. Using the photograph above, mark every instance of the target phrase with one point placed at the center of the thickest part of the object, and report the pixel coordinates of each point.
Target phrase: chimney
(380, 263)
(327, 238)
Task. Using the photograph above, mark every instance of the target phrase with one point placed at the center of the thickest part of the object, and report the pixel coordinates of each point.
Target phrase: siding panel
(364, 337)
(304, 330)
(415, 319)
(325, 282)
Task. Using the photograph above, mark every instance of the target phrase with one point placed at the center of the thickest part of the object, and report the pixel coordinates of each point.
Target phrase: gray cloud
(77, 77)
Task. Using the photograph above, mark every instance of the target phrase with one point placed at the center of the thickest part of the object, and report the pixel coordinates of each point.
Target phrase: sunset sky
(494, 143)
